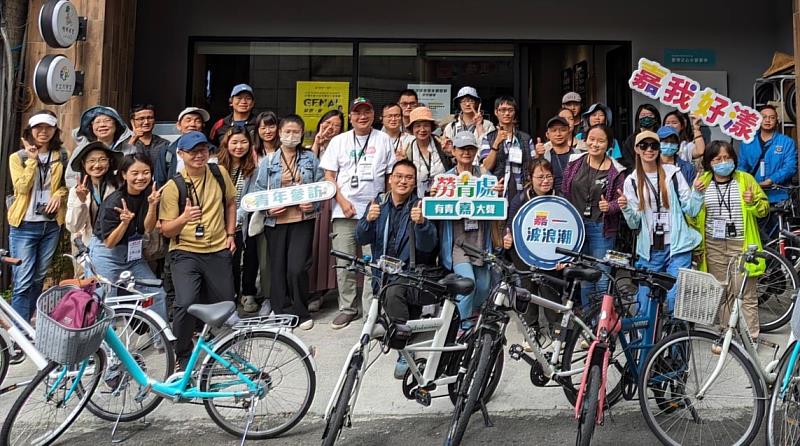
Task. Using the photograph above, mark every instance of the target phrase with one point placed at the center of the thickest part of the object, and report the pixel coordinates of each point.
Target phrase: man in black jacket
(242, 102)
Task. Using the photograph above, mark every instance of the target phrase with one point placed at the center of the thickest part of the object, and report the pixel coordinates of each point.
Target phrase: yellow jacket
(23, 178)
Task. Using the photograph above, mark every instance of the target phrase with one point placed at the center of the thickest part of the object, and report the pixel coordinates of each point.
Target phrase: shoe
(315, 305)
(266, 309)
(249, 304)
(584, 344)
(307, 324)
(400, 367)
(526, 346)
(716, 348)
(342, 320)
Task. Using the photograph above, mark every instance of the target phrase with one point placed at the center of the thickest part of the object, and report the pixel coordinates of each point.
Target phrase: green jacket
(750, 214)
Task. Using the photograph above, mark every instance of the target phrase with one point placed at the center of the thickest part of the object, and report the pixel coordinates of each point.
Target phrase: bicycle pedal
(422, 396)
(516, 351)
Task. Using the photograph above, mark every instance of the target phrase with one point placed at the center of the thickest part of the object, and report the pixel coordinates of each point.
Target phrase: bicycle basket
(67, 345)
(698, 297)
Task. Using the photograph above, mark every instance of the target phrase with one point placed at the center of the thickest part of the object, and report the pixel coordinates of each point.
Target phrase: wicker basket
(698, 297)
(67, 345)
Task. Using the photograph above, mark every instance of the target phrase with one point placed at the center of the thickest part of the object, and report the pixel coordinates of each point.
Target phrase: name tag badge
(470, 225)
(135, 245)
(515, 155)
(718, 228)
(662, 218)
(762, 168)
(364, 172)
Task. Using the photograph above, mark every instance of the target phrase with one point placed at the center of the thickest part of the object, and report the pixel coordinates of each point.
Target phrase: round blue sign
(541, 225)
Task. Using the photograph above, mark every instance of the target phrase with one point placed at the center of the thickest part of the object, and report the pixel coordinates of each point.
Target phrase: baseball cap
(667, 131)
(190, 140)
(465, 139)
(647, 134)
(360, 101)
(571, 97)
(557, 120)
(203, 114)
(467, 91)
(242, 88)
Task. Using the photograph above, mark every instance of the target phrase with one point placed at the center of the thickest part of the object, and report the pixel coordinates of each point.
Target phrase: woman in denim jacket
(290, 230)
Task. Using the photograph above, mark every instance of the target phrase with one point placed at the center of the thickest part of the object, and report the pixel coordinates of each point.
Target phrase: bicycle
(776, 287)
(674, 387)
(232, 385)
(435, 336)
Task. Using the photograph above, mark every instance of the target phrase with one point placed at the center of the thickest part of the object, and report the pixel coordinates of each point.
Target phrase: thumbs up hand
(416, 213)
(603, 204)
(374, 211)
(698, 185)
(508, 239)
(622, 201)
(539, 147)
(749, 196)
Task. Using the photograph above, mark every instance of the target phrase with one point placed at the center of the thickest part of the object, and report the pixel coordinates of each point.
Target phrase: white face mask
(291, 140)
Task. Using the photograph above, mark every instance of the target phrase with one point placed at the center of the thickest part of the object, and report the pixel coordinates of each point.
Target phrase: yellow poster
(314, 99)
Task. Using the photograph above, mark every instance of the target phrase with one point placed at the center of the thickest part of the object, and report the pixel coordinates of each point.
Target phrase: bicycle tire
(494, 376)
(776, 291)
(126, 389)
(5, 359)
(784, 408)
(472, 388)
(292, 368)
(737, 375)
(82, 394)
(335, 422)
(588, 417)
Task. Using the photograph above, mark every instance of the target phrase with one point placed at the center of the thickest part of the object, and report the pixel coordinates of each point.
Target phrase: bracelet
(232, 235)
(697, 137)
(495, 149)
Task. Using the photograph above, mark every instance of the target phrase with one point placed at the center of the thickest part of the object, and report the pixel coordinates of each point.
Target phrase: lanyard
(425, 163)
(654, 191)
(593, 178)
(292, 172)
(97, 198)
(197, 201)
(397, 142)
(386, 230)
(43, 171)
(363, 148)
(726, 201)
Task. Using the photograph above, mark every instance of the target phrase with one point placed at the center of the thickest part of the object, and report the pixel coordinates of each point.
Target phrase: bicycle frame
(789, 367)
(21, 332)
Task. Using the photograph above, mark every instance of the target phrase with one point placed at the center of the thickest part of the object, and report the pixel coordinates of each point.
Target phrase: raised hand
(749, 196)
(416, 213)
(191, 213)
(374, 211)
(622, 201)
(603, 203)
(125, 216)
(539, 147)
(500, 187)
(30, 149)
(81, 191)
(508, 239)
(698, 185)
(155, 196)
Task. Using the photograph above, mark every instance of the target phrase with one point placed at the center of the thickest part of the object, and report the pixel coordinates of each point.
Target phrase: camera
(41, 209)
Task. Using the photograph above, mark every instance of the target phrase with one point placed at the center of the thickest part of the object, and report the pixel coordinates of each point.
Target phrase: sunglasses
(649, 145)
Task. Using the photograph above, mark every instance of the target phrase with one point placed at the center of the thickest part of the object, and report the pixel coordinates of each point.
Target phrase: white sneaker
(249, 304)
(266, 309)
(307, 325)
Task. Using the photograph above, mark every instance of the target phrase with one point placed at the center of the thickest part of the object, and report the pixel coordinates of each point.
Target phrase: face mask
(669, 148)
(647, 122)
(724, 168)
(291, 140)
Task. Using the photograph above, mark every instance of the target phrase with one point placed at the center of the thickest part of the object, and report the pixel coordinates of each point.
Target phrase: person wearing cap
(104, 124)
(557, 149)
(599, 114)
(191, 119)
(592, 183)
(242, 102)
(473, 232)
(357, 161)
(424, 150)
(96, 164)
(572, 102)
(670, 147)
(202, 230)
(468, 115)
(38, 208)
(143, 120)
(648, 117)
(692, 143)
(407, 101)
(656, 201)
(507, 151)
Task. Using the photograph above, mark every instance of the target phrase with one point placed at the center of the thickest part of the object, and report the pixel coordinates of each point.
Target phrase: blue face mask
(724, 168)
(669, 148)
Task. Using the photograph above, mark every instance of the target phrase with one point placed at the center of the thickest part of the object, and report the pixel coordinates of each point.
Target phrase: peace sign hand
(81, 191)
(155, 196)
(30, 149)
(125, 216)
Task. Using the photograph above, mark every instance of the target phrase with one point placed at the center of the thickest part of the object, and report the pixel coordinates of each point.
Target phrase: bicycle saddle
(587, 274)
(213, 314)
(456, 284)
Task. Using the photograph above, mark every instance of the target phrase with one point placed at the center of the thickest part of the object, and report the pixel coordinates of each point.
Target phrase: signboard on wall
(314, 99)
(581, 78)
(435, 96)
(695, 57)
(566, 80)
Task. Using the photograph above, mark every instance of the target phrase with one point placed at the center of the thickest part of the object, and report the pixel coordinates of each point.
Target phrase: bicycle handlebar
(416, 278)
(790, 235)
(661, 280)
(509, 268)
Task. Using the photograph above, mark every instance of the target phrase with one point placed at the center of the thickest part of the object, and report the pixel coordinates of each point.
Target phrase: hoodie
(614, 150)
(83, 135)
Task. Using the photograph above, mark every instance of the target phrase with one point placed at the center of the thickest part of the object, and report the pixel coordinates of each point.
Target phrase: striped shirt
(723, 202)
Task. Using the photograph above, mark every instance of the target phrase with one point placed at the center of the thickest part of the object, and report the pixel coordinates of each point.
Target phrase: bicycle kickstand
(250, 416)
(485, 412)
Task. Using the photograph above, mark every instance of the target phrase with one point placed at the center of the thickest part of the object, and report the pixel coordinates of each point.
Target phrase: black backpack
(183, 191)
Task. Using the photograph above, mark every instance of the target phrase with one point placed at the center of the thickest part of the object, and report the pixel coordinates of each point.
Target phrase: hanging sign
(543, 224)
(288, 196)
(454, 197)
(54, 79)
(59, 24)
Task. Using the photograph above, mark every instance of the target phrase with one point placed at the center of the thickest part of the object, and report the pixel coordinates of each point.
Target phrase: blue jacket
(269, 175)
(166, 163)
(780, 163)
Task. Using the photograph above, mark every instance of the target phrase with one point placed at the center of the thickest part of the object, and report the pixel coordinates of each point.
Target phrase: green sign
(690, 57)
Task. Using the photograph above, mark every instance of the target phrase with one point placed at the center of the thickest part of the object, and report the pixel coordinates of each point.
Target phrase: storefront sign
(59, 23)
(54, 79)
(656, 82)
(690, 57)
(288, 196)
(464, 196)
(314, 99)
(435, 96)
(581, 77)
(541, 225)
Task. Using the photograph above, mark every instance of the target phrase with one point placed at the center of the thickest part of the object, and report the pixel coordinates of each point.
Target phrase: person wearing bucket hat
(100, 123)
(242, 102)
(469, 116)
(96, 164)
(598, 114)
(506, 152)
(424, 150)
(670, 146)
(37, 208)
(357, 161)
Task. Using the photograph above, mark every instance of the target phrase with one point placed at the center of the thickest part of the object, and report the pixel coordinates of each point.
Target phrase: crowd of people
(173, 209)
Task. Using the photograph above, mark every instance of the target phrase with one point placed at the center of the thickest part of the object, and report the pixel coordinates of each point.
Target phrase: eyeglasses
(398, 177)
(649, 145)
(196, 153)
(144, 118)
(543, 177)
(505, 110)
(408, 104)
(96, 161)
(392, 116)
(103, 121)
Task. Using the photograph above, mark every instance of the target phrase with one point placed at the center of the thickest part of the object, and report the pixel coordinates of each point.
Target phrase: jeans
(345, 241)
(110, 262)
(35, 243)
(469, 303)
(595, 245)
(662, 262)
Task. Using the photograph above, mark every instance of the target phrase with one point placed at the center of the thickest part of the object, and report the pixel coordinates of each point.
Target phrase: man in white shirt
(358, 161)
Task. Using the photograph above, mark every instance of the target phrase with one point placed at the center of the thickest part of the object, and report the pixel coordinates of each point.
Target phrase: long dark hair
(55, 143)
(686, 133)
(640, 185)
(264, 118)
(331, 113)
(247, 163)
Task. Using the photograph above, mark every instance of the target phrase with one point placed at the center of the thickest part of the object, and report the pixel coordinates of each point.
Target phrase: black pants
(546, 291)
(289, 248)
(245, 265)
(198, 278)
(404, 303)
(166, 278)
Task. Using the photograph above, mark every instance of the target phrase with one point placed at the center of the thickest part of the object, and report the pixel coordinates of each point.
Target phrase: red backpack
(77, 309)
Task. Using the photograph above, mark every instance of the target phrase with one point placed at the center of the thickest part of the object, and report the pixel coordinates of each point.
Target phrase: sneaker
(342, 320)
(315, 305)
(266, 309)
(307, 324)
(716, 348)
(249, 304)
(526, 346)
(400, 367)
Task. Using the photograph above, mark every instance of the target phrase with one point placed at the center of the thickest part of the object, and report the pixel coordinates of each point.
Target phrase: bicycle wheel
(731, 410)
(494, 375)
(471, 389)
(118, 395)
(783, 422)
(588, 418)
(5, 359)
(776, 291)
(51, 402)
(342, 408)
(281, 369)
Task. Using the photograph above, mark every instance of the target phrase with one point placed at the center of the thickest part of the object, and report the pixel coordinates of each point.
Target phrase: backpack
(23, 156)
(183, 191)
(77, 309)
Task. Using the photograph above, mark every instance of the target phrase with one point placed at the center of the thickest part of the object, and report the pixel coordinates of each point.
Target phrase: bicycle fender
(283, 331)
(162, 325)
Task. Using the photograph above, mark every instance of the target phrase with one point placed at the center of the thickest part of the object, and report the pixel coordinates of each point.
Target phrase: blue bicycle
(783, 417)
(256, 381)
